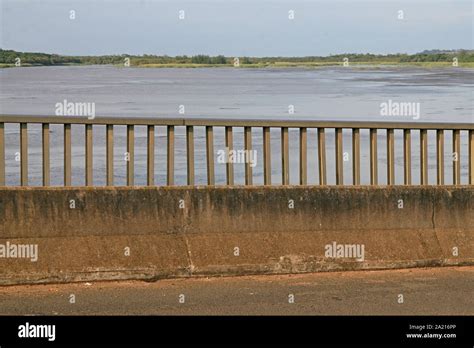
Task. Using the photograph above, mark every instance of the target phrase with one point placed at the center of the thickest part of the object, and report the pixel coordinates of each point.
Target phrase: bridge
(342, 212)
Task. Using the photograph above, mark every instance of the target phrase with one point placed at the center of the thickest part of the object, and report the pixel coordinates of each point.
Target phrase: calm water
(445, 95)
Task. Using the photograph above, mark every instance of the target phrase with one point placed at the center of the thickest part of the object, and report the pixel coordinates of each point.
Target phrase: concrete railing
(61, 234)
(303, 126)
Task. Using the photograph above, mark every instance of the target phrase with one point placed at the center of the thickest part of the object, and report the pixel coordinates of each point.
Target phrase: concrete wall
(183, 231)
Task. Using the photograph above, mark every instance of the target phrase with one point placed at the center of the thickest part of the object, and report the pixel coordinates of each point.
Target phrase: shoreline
(283, 65)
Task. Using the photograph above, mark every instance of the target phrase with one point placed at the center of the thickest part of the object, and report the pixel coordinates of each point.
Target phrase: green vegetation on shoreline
(465, 58)
(312, 65)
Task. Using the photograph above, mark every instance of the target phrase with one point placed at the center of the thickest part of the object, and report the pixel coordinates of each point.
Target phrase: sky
(235, 27)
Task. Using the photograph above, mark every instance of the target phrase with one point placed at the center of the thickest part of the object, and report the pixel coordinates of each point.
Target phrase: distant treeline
(29, 58)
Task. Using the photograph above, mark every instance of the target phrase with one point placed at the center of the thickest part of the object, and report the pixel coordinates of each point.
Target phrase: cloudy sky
(235, 27)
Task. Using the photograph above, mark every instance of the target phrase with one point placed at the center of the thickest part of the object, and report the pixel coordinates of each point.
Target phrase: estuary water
(331, 93)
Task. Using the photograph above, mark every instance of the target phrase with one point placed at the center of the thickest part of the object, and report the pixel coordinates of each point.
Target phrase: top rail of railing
(219, 122)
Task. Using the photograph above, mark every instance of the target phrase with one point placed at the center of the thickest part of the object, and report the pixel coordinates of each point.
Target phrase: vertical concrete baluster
(210, 155)
(373, 157)
(322, 155)
(24, 154)
(46, 154)
(440, 157)
(303, 157)
(339, 158)
(110, 154)
(2, 154)
(267, 167)
(67, 154)
(190, 154)
(356, 156)
(390, 157)
(89, 154)
(170, 156)
(407, 156)
(229, 143)
(424, 157)
(131, 155)
(285, 154)
(150, 164)
(248, 148)
(456, 157)
(471, 157)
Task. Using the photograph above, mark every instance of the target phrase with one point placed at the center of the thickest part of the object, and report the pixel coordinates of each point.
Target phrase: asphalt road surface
(428, 291)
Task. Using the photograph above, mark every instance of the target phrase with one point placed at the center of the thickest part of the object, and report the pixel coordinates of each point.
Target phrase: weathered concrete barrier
(159, 232)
